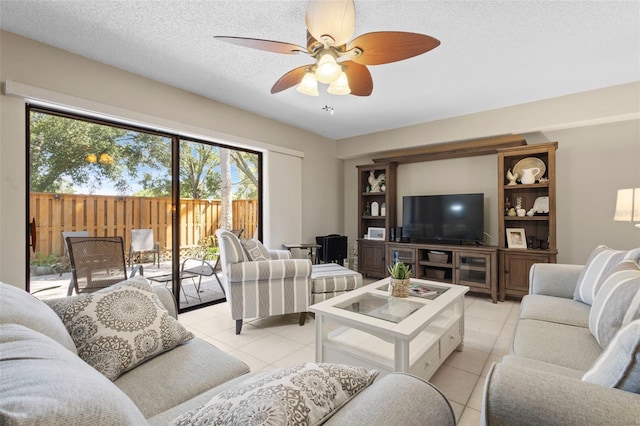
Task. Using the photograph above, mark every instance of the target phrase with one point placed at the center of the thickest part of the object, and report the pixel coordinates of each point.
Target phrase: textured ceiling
(493, 53)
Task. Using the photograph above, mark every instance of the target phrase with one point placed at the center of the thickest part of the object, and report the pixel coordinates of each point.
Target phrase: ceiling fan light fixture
(340, 86)
(328, 70)
(308, 85)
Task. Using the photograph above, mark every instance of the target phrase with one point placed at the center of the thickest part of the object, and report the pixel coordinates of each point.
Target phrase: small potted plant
(43, 264)
(399, 279)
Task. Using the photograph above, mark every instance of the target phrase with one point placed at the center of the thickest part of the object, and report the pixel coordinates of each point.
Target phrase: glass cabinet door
(404, 255)
(472, 269)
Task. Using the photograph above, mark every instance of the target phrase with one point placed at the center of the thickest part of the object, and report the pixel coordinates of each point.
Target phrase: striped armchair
(261, 283)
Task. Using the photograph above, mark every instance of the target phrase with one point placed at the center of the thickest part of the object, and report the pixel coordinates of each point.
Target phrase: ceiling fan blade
(360, 81)
(390, 46)
(335, 18)
(290, 79)
(268, 45)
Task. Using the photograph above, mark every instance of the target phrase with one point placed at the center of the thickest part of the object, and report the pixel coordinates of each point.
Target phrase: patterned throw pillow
(617, 303)
(255, 250)
(600, 262)
(303, 395)
(119, 327)
(619, 365)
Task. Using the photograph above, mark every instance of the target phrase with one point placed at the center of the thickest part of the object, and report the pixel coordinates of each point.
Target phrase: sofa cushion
(255, 250)
(617, 303)
(305, 394)
(560, 344)
(44, 383)
(600, 262)
(179, 375)
(555, 309)
(167, 416)
(534, 364)
(119, 327)
(19, 307)
(619, 365)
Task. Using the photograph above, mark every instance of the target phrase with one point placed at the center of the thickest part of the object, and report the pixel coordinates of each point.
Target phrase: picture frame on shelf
(376, 234)
(516, 238)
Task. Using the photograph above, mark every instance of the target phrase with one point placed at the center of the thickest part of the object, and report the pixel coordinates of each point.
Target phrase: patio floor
(56, 285)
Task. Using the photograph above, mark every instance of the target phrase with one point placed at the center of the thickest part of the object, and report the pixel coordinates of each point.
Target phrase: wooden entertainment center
(499, 271)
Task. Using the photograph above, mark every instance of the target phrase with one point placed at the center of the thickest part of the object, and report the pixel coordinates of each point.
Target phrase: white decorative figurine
(375, 182)
(512, 177)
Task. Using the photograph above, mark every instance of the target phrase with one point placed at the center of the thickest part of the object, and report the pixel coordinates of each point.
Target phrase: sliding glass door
(96, 178)
(219, 188)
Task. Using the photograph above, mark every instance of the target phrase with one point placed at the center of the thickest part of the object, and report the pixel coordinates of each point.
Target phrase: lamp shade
(308, 85)
(340, 86)
(328, 70)
(628, 205)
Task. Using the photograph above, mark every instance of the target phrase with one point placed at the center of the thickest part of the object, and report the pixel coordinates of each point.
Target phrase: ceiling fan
(340, 63)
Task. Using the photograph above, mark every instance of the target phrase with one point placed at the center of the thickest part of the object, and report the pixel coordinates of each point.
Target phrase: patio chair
(195, 267)
(96, 263)
(142, 241)
(66, 234)
(261, 288)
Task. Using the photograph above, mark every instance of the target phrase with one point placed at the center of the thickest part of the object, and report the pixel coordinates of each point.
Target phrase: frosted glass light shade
(308, 85)
(327, 70)
(340, 86)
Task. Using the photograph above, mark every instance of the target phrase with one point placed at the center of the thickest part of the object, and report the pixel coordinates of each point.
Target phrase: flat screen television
(443, 219)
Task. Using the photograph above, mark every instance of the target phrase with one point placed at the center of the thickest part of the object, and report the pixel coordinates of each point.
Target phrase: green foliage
(399, 271)
(42, 260)
(199, 178)
(247, 164)
(61, 148)
(211, 252)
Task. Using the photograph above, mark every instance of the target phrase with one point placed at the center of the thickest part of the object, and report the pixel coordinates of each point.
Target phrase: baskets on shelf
(438, 257)
(437, 274)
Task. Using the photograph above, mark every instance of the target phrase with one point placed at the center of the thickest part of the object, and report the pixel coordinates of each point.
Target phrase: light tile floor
(279, 341)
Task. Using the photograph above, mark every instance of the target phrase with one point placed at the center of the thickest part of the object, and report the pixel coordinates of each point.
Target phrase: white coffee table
(370, 328)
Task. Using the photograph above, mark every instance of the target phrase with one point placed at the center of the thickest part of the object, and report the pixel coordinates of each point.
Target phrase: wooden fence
(103, 215)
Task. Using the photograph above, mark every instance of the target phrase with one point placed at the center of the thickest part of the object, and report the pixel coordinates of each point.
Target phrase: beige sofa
(557, 371)
(43, 380)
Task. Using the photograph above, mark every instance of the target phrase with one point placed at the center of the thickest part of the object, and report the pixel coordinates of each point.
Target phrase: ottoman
(330, 279)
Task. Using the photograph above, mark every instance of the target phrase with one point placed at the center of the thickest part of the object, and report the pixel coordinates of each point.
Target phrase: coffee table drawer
(427, 364)
(450, 340)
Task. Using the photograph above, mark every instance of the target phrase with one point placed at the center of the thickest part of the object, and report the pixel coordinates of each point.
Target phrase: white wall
(295, 214)
(593, 162)
(454, 176)
(611, 104)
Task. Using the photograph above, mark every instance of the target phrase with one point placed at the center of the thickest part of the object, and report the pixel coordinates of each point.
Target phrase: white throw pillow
(255, 250)
(595, 270)
(121, 326)
(303, 395)
(617, 303)
(619, 365)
